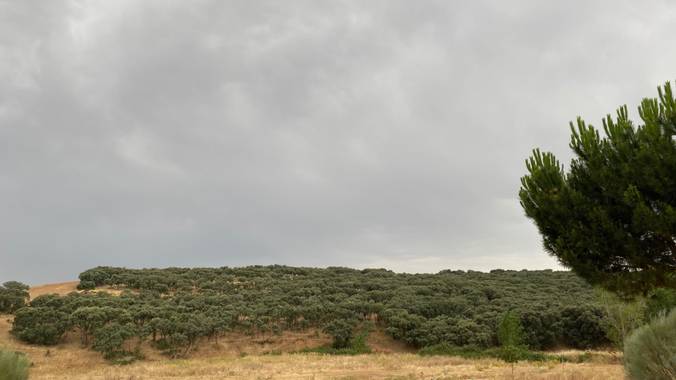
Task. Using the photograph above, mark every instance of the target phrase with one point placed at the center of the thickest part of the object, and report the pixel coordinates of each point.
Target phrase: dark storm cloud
(362, 134)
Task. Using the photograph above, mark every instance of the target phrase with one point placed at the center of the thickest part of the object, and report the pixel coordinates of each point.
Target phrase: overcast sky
(354, 133)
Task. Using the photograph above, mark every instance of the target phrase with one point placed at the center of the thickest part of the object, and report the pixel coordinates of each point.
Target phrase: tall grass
(650, 352)
(13, 365)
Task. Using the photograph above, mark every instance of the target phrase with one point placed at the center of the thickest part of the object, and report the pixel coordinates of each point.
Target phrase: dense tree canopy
(612, 216)
(13, 295)
(175, 308)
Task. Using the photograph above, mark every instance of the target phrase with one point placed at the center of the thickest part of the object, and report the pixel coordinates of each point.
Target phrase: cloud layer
(380, 133)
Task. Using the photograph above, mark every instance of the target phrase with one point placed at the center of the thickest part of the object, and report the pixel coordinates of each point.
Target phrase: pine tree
(612, 217)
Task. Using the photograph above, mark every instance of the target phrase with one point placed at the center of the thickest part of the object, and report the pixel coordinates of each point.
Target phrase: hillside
(175, 307)
(69, 361)
(266, 321)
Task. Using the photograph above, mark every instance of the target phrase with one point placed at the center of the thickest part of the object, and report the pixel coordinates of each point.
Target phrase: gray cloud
(380, 133)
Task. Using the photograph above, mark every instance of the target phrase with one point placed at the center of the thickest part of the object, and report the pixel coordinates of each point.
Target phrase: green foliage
(650, 352)
(341, 332)
(90, 318)
(612, 216)
(13, 365)
(86, 285)
(510, 336)
(110, 340)
(473, 352)
(13, 296)
(542, 328)
(92, 278)
(660, 301)
(622, 316)
(510, 332)
(583, 327)
(348, 339)
(40, 325)
(512, 354)
(175, 308)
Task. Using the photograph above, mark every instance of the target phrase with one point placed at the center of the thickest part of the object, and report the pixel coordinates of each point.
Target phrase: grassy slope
(227, 359)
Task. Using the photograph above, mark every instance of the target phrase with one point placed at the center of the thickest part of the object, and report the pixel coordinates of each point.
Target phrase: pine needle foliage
(611, 217)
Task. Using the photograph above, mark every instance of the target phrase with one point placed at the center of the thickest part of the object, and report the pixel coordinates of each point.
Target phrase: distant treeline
(175, 307)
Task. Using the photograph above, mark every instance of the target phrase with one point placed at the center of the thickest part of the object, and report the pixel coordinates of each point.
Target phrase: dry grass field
(257, 357)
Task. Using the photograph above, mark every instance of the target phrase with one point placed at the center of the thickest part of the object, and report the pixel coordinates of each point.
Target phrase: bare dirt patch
(62, 288)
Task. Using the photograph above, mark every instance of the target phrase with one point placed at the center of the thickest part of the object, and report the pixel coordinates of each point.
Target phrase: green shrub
(510, 332)
(660, 301)
(583, 327)
(650, 351)
(355, 346)
(110, 340)
(13, 296)
(507, 353)
(13, 365)
(341, 331)
(40, 325)
(86, 285)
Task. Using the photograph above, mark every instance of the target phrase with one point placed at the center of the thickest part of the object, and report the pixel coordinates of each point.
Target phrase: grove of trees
(175, 308)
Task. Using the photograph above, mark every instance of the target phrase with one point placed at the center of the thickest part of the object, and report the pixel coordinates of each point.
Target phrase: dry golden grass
(67, 287)
(61, 289)
(238, 356)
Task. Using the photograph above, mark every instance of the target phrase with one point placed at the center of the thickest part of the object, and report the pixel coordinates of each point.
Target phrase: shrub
(622, 317)
(341, 331)
(507, 353)
(661, 300)
(110, 339)
(86, 285)
(510, 332)
(650, 352)
(540, 328)
(13, 296)
(583, 327)
(356, 345)
(13, 365)
(40, 325)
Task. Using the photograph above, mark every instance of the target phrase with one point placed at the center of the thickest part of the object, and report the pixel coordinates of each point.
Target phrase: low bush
(514, 353)
(110, 340)
(13, 296)
(13, 365)
(40, 325)
(356, 346)
(650, 351)
(660, 301)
